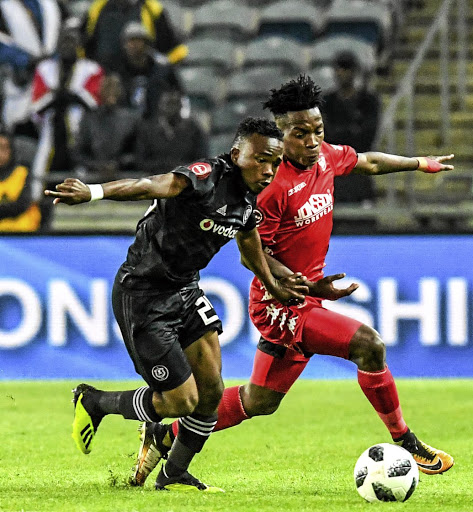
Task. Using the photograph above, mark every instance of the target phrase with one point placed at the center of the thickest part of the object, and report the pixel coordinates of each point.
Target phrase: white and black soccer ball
(386, 472)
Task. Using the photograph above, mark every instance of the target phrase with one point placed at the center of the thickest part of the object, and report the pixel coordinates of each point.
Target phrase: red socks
(380, 390)
(230, 411)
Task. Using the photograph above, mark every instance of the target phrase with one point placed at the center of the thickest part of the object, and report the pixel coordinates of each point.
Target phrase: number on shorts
(206, 307)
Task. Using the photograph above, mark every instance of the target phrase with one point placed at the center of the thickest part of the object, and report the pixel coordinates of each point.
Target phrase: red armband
(428, 165)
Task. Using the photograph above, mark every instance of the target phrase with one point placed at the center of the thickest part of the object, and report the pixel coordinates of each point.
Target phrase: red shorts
(299, 332)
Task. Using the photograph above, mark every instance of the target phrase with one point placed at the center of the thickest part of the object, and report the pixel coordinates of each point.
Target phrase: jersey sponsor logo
(201, 170)
(337, 147)
(160, 372)
(222, 210)
(247, 213)
(316, 207)
(258, 216)
(211, 225)
(297, 188)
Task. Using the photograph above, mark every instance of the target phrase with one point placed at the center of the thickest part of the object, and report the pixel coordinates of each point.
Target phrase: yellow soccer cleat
(85, 424)
(429, 460)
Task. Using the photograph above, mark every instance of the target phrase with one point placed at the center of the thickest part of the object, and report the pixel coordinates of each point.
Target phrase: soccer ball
(386, 472)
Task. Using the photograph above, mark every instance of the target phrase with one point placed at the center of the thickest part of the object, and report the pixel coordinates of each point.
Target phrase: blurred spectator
(63, 88)
(105, 142)
(28, 32)
(18, 211)
(144, 72)
(106, 19)
(351, 116)
(167, 140)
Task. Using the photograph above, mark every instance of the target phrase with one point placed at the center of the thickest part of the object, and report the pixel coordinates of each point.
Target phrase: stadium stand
(203, 52)
(290, 55)
(237, 51)
(324, 50)
(365, 19)
(224, 19)
(203, 86)
(297, 19)
(254, 82)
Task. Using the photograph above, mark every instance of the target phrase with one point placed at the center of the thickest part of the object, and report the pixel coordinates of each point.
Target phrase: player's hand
(433, 164)
(70, 191)
(291, 290)
(297, 283)
(325, 290)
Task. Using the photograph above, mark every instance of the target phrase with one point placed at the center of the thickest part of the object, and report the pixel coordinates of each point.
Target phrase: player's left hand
(71, 191)
(433, 164)
(324, 288)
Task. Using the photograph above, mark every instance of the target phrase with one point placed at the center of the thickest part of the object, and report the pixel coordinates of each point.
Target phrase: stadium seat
(191, 3)
(323, 76)
(361, 18)
(224, 19)
(324, 51)
(219, 54)
(297, 19)
(203, 86)
(219, 144)
(226, 118)
(289, 54)
(254, 83)
(179, 17)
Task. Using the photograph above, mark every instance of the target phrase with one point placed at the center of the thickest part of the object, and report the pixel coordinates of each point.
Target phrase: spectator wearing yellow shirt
(18, 211)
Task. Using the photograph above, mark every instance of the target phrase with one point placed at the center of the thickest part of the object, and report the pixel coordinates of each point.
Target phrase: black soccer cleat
(182, 483)
(86, 419)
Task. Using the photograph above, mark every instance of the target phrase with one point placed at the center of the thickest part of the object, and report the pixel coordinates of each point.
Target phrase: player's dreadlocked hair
(299, 94)
(259, 125)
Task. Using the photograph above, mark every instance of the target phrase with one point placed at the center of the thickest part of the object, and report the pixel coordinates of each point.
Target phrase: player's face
(258, 158)
(303, 136)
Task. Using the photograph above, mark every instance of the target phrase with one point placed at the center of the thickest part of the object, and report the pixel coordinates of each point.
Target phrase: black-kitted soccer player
(169, 326)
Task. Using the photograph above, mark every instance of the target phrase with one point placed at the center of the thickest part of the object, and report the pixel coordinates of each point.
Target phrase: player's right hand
(291, 290)
(70, 191)
(324, 289)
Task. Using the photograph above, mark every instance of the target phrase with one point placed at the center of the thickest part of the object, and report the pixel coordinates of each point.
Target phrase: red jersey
(295, 226)
(296, 210)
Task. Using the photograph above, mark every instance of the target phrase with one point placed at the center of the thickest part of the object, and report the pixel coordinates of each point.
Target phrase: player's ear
(234, 153)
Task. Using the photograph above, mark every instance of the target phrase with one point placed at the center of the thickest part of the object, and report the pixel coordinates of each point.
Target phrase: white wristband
(96, 192)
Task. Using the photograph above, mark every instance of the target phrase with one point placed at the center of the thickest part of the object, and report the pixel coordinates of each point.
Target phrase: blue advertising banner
(56, 319)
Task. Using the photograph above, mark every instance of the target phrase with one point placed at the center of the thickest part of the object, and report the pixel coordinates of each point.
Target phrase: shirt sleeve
(199, 175)
(270, 208)
(344, 159)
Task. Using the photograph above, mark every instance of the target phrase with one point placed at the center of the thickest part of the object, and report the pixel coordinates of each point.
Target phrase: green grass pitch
(299, 459)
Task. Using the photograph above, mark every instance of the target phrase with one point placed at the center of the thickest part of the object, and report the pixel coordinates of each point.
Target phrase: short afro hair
(251, 125)
(293, 96)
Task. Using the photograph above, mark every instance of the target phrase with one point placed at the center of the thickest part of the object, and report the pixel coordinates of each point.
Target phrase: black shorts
(157, 328)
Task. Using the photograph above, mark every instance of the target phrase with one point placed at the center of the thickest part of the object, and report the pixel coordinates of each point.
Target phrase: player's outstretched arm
(375, 163)
(253, 257)
(72, 191)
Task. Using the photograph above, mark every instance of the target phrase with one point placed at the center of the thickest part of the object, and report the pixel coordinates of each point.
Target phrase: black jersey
(179, 236)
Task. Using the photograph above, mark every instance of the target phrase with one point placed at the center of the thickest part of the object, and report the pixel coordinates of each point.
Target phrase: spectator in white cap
(145, 73)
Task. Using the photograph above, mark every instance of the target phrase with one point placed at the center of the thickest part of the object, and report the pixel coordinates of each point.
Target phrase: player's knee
(184, 405)
(368, 350)
(210, 395)
(260, 404)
